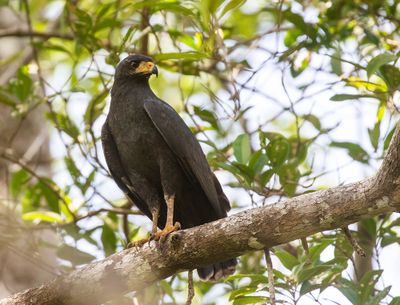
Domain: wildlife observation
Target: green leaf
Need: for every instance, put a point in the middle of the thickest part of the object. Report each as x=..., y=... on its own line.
x=74, y=255
x=316, y=250
x=388, y=138
x=64, y=123
x=245, y=172
x=250, y=300
x=159, y=5
x=307, y=287
x=233, y=4
x=314, y=120
x=378, y=61
x=255, y=278
x=288, y=177
x=207, y=116
x=354, y=150
x=374, y=134
x=88, y=181
x=369, y=224
x=343, y=97
x=183, y=55
x=243, y=291
x=22, y=85
x=391, y=76
x=167, y=288
x=257, y=162
x=287, y=259
x=298, y=20
x=95, y=108
x=395, y=301
x=30, y=201
x=349, y=290
x=108, y=239
x=367, y=285
x=297, y=68
x=8, y=99
x=291, y=37
x=18, y=180
x=242, y=148
x=45, y=216
x=376, y=300
x=371, y=37
x=72, y=168
x=388, y=240
x=48, y=190
x=309, y=272
x=336, y=63
x=266, y=177
x=228, y=167
x=209, y=7
x=278, y=151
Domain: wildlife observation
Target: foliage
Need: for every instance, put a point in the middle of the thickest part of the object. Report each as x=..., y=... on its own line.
x=264, y=85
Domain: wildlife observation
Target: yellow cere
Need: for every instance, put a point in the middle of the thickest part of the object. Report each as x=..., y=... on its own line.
x=145, y=67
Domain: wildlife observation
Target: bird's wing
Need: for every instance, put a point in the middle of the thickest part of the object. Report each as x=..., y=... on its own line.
x=186, y=148
x=117, y=170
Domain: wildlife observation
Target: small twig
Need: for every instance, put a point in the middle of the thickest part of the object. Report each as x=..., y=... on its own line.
x=354, y=243
x=270, y=269
x=190, y=288
x=34, y=50
x=125, y=227
x=53, y=188
x=304, y=243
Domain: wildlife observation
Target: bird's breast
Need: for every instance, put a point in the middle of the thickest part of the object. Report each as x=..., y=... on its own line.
x=138, y=141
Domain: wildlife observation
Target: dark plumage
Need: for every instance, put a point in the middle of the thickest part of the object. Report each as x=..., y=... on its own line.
x=156, y=160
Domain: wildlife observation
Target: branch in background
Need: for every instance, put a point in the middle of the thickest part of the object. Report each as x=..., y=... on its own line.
x=190, y=288
x=270, y=269
x=354, y=243
x=362, y=265
x=26, y=55
x=27, y=33
x=305, y=245
x=144, y=41
x=254, y=229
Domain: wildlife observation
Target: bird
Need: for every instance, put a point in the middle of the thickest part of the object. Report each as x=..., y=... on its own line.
x=157, y=161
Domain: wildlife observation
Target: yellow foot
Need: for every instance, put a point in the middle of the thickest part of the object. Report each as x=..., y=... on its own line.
x=138, y=243
x=162, y=235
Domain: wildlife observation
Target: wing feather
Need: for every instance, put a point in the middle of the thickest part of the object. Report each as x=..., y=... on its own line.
x=117, y=170
x=185, y=147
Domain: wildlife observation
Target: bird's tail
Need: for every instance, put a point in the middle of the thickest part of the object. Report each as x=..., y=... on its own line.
x=217, y=271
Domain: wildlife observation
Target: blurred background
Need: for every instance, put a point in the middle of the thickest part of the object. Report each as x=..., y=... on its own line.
x=286, y=97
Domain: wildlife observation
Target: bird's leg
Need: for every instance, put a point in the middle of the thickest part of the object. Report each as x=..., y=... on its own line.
x=170, y=200
x=154, y=215
x=169, y=226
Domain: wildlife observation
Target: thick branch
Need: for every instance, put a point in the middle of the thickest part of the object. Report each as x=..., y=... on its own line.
x=254, y=229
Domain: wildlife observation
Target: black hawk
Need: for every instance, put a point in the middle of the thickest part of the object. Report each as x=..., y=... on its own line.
x=157, y=162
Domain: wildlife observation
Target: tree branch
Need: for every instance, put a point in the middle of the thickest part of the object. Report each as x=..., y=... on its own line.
x=254, y=229
x=16, y=32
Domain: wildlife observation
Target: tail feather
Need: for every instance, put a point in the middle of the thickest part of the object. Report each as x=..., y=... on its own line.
x=217, y=271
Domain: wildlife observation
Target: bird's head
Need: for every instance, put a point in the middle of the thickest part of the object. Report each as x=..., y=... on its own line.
x=136, y=66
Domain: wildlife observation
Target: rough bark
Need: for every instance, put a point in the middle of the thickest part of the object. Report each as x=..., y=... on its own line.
x=254, y=229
